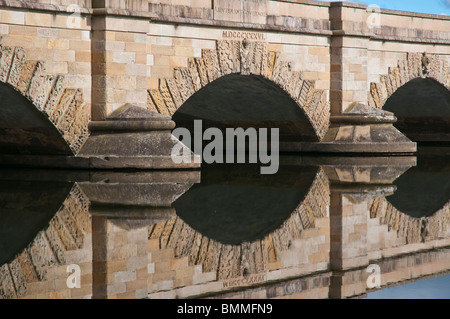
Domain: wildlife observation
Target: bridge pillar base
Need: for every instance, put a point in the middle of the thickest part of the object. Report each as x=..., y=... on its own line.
x=359, y=130
x=132, y=138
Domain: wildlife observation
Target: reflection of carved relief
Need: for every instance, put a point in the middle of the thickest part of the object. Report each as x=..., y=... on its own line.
x=35, y=265
x=248, y=258
x=409, y=229
x=247, y=57
x=416, y=65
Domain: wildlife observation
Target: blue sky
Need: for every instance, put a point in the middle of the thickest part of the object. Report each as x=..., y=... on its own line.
x=433, y=288
x=423, y=6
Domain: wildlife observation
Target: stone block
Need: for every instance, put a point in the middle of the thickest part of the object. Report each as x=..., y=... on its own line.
x=63, y=55
x=12, y=17
x=135, y=47
x=21, y=30
x=82, y=56
x=179, y=263
x=204, y=278
x=164, y=285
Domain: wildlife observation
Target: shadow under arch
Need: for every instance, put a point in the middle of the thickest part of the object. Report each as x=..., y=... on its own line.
x=24, y=130
x=246, y=101
x=234, y=204
x=422, y=107
x=425, y=189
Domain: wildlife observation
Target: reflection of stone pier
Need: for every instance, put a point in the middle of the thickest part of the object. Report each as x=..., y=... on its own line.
x=123, y=207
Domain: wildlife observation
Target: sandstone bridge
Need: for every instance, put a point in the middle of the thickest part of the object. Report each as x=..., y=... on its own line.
x=296, y=65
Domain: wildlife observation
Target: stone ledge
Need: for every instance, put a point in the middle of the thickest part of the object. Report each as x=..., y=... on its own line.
x=349, y=148
x=361, y=119
x=408, y=39
x=123, y=12
x=241, y=25
x=394, y=38
x=311, y=2
x=134, y=126
x=92, y=162
x=16, y=4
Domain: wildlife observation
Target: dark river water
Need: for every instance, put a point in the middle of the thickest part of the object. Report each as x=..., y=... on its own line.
x=322, y=227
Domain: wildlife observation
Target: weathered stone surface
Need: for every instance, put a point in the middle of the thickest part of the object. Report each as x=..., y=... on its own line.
x=364, y=114
x=253, y=11
x=416, y=66
x=422, y=117
x=229, y=56
x=45, y=92
x=145, y=136
x=42, y=256
x=17, y=65
x=7, y=290
x=19, y=279
x=246, y=58
x=128, y=112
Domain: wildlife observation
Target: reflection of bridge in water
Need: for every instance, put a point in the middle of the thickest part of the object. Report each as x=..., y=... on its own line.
x=136, y=235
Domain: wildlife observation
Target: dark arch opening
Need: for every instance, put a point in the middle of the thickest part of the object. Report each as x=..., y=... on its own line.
x=424, y=189
x=246, y=101
x=24, y=129
x=234, y=204
x=422, y=107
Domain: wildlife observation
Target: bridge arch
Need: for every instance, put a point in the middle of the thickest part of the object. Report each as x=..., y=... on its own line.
x=416, y=65
x=417, y=91
x=39, y=113
x=244, y=58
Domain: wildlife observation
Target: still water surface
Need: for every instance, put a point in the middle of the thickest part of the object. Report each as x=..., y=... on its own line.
x=311, y=231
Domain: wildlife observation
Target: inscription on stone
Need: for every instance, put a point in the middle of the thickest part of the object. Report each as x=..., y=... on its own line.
x=248, y=11
x=240, y=35
x=243, y=281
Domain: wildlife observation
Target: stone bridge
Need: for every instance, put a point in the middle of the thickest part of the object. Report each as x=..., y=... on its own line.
x=293, y=64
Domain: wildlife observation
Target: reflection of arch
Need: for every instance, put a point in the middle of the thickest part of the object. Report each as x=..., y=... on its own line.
x=249, y=257
x=419, y=210
x=239, y=205
x=244, y=58
x=424, y=189
x=60, y=233
x=416, y=65
x=413, y=230
x=48, y=98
